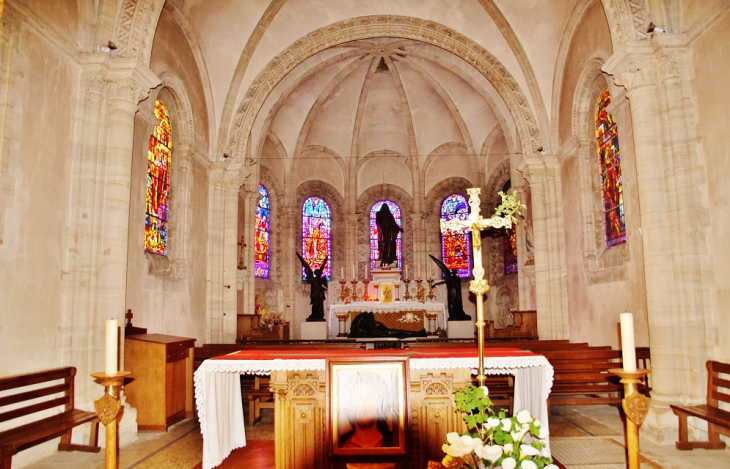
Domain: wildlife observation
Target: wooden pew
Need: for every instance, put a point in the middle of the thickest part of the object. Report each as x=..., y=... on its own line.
x=718, y=420
x=33, y=401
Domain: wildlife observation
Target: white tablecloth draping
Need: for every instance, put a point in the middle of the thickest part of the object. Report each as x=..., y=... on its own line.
x=218, y=392
x=378, y=307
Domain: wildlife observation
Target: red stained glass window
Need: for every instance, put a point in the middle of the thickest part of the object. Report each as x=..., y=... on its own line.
x=510, y=252
x=158, y=183
x=316, y=231
x=262, y=232
x=612, y=192
x=456, y=246
x=374, y=254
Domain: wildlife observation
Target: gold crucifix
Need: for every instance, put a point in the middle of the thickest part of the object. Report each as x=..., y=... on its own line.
x=503, y=218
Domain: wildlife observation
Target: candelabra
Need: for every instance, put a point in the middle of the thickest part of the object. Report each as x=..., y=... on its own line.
x=635, y=406
x=420, y=291
x=365, y=294
x=354, y=290
x=407, y=295
x=108, y=408
x=344, y=292
x=431, y=292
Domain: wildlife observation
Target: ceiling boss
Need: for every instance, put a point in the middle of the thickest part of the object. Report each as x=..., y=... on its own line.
x=504, y=216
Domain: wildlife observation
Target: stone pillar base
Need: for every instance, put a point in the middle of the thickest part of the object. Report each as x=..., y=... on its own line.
x=313, y=330
x=460, y=330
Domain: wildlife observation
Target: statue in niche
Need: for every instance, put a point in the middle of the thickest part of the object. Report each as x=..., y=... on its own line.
x=453, y=292
x=317, y=288
x=388, y=231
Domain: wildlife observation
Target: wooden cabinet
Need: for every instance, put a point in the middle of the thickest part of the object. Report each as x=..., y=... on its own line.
x=162, y=379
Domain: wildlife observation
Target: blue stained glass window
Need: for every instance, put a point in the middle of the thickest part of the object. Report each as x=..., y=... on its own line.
x=510, y=251
x=456, y=246
x=374, y=254
x=262, y=235
x=316, y=232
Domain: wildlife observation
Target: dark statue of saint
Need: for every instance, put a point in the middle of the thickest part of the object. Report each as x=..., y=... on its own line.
x=317, y=288
x=453, y=292
x=388, y=230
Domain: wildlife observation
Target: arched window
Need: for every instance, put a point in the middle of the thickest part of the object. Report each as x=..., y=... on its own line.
x=456, y=246
x=374, y=254
x=158, y=183
x=261, y=235
x=510, y=251
x=612, y=192
x=316, y=230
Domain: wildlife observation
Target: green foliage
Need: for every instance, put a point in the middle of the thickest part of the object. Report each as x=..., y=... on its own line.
x=509, y=207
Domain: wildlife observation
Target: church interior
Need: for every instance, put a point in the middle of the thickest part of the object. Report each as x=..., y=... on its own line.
x=206, y=157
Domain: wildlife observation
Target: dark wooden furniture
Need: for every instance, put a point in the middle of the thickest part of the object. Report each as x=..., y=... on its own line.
x=524, y=326
x=162, y=385
x=718, y=420
x=50, y=389
x=248, y=328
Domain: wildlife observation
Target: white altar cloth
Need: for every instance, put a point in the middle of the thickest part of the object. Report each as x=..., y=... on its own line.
x=378, y=307
x=218, y=392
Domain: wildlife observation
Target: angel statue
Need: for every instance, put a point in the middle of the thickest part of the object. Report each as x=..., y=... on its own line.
x=453, y=292
x=317, y=288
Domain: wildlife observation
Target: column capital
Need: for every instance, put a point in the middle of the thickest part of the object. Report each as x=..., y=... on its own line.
x=539, y=169
x=118, y=78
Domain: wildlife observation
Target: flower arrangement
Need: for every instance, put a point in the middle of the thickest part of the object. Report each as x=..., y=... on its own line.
x=495, y=439
x=270, y=320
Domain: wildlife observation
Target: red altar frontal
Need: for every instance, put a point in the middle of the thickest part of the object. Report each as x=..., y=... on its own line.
x=302, y=420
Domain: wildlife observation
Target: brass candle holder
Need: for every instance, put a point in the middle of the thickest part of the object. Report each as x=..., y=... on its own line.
x=344, y=292
x=342, y=322
x=108, y=407
x=431, y=318
x=420, y=291
x=407, y=295
x=354, y=290
x=635, y=407
x=397, y=290
x=431, y=292
x=365, y=294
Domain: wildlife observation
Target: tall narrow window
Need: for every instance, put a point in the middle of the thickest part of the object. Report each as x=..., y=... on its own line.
x=612, y=192
x=374, y=254
x=158, y=183
x=261, y=235
x=456, y=246
x=510, y=251
x=316, y=230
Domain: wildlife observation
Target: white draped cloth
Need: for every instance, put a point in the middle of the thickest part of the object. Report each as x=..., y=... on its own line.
x=218, y=391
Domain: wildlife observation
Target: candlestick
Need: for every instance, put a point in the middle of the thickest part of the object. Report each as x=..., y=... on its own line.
x=110, y=362
x=406, y=275
x=355, y=296
x=108, y=409
x=353, y=272
x=628, y=346
x=419, y=270
x=342, y=272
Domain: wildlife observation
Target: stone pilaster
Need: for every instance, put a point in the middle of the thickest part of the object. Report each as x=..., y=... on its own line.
x=542, y=173
x=672, y=223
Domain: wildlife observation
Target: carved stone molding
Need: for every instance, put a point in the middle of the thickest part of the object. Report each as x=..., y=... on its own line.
x=668, y=67
x=628, y=20
x=186, y=121
x=135, y=28
x=384, y=26
x=127, y=89
x=637, y=73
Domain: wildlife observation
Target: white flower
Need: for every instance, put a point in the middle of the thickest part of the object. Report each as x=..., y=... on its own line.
x=492, y=422
x=509, y=463
x=537, y=422
x=506, y=425
x=524, y=416
x=544, y=433
x=529, y=450
x=460, y=445
x=527, y=464
x=485, y=389
x=489, y=452
x=551, y=466
x=507, y=448
x=518, y=435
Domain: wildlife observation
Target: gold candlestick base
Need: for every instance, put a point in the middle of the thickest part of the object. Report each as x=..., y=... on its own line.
x=344, y=292
x=365, y=294
x=108, y=408
x=635, y=407
x=407, y=294
x=354, y=290
x=431, y=292
x=420, y=291
x=342, y=319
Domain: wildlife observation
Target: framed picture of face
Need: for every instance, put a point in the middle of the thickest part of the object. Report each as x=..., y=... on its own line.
x=367, y=406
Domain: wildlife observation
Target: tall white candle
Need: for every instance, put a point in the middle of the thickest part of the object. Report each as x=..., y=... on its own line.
x=419, y=270
x=406, y=273
x=628, y=346
x=353, y=272
x=342, y=272
x=110, y=362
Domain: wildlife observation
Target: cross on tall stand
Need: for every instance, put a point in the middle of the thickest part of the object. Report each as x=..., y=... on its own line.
x=476, y=223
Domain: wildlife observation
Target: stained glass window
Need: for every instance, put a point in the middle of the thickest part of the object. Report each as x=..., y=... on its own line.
x=374, y=254
x=158, y=183
x=316, y=229
x=456, y=246
x=261, y=235
x=510, y=251
x=612, y=192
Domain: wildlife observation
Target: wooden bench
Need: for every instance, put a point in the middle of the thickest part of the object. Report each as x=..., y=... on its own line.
x=718, y=420
x=32, y=393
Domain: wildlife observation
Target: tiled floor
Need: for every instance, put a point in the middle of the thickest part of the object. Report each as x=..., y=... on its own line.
x=582, y=437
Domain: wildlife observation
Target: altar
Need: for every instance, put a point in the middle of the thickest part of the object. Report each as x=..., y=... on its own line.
x=298, y=380
x=397, y=309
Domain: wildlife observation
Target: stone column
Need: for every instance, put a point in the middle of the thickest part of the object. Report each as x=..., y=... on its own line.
x=419, y=246
x=351, y=249
x=549, y=238
x=671, y=223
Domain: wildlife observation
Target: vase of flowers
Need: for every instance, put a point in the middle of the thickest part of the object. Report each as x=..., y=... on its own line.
x=271, y=320
x=494, y=440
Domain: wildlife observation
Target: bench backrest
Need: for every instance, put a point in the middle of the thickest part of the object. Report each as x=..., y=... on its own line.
x=47, y=385
x=714, y=381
